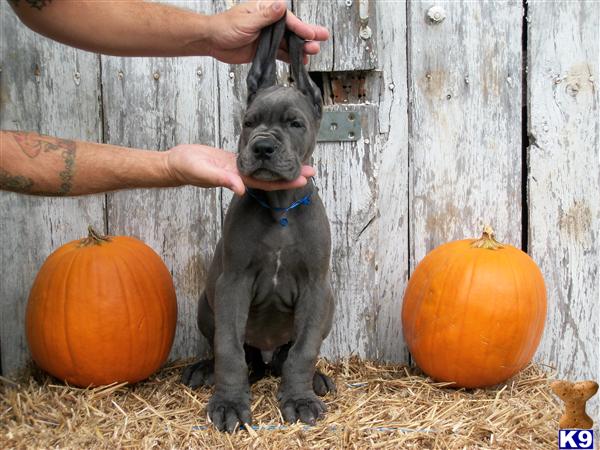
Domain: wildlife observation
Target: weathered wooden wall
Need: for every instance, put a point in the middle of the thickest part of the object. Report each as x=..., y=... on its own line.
x=564, y=180
x=465, y=105
x=167, y=102
x=51, y=89
x=455, y=134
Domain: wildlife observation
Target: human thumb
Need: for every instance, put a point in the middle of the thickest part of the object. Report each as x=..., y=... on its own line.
x=235, y=184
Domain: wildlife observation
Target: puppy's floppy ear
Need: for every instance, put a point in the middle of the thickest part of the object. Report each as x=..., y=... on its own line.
x=262, y=73
x=300, y=75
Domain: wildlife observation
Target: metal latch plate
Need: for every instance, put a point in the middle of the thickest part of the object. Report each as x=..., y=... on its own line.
x=341, y=126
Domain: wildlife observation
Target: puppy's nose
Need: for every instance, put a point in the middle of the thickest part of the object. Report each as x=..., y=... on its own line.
x=263, y=149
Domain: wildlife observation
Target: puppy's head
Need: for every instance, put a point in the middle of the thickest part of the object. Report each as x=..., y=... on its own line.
x=281, y=123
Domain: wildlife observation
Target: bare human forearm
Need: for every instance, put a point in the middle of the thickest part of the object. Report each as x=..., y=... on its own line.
x=42, y=165
x=122, y=28
x=139, y=28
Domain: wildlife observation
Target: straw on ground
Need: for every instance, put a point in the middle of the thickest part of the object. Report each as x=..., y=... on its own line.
x=376, y=406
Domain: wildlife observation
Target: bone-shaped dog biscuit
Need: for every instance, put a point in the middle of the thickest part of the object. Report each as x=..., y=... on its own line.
x=575, y=395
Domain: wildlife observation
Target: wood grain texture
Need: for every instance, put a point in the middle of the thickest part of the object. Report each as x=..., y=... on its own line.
x=346, y=49
x=564, y=182
x=157, y=103
x=52, y=89
x=346, y=179
x=362, y=183
x=465, y=121
x=231, y=85
x=392, y=178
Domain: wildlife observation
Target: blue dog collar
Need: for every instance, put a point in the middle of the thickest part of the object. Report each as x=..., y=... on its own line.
x=283, y=221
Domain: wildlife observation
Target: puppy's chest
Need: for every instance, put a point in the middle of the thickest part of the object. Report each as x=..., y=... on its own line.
x=271, y=315
x=276, y=284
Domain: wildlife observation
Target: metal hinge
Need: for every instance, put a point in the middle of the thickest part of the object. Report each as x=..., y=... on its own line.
x=340, y=126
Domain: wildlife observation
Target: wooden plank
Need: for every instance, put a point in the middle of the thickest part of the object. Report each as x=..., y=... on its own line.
x=52, y=89
x=347, y=21
x=346, y=179
x=465, y=121
x=564, y=181
x=320, y=13
x=231, y=81
x=392, y=180
x=157, y=103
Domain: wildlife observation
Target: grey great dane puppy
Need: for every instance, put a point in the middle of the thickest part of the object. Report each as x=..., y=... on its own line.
x=268, y=294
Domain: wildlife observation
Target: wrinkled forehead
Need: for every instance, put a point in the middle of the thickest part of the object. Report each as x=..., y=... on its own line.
x=278, y=100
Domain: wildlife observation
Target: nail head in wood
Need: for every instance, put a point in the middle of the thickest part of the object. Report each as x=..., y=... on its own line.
x=365, y=32
x=436, y=14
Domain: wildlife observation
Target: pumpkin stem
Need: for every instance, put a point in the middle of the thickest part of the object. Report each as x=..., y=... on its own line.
x=93, y=238
x=487, y=240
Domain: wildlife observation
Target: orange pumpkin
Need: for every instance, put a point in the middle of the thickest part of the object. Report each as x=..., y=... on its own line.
x=474, y=312
x=101, y=310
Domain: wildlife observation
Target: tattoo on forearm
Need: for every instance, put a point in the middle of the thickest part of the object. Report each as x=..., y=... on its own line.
x=37, y=4
x=67, y=175
x=15, y=183
x=32, y=145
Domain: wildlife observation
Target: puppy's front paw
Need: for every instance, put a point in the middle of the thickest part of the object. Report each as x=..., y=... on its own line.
x=305, y=406
x=227, y=413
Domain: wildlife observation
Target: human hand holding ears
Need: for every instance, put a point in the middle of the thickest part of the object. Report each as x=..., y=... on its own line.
x=233, y=34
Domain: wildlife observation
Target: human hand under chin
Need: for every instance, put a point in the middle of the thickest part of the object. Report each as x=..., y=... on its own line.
x=203, y=166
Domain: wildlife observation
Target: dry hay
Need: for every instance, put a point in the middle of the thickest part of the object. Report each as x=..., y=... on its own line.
x=376, y=406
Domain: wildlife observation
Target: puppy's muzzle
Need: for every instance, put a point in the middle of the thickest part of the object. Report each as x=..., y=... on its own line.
x=263, y=149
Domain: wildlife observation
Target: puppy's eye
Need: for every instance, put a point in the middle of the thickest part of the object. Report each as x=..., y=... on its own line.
x=296, y=124
x=248, y=123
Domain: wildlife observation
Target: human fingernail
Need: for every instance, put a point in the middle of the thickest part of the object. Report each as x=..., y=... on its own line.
x=276, y=6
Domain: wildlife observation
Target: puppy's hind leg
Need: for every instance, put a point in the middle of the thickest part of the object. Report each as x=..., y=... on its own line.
x=199, y=374
x=202, y=373
x=322, y=384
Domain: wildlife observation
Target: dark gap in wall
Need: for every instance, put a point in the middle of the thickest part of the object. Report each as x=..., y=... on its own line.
x=408, y=151
x=103, y=136
x=217, y=7
x=348, y=87
x=106, y=230
x=524, y=134
x=317, y=78
x=219, y=136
